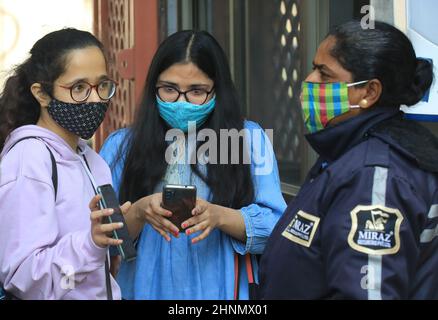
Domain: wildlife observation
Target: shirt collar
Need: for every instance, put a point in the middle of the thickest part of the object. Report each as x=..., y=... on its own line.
x=334, y=141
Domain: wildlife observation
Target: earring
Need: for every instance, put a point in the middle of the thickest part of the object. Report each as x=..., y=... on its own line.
x=363, y=103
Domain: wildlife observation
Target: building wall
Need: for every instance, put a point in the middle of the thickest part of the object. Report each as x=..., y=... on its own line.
x=23, y=22
x=384, y=10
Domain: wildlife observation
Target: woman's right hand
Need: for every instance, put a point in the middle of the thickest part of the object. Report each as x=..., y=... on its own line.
x=102, y=233
x=149, y=208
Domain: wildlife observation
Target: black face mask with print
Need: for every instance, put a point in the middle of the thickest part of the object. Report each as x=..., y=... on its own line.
x=82, y=119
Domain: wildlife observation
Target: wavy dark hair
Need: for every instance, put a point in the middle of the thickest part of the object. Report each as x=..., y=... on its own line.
x=384, y=53
x=144, y=167
x=47, y=62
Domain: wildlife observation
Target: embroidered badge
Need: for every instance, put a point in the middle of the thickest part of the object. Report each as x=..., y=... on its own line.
x=302, y=229
x=375, y=230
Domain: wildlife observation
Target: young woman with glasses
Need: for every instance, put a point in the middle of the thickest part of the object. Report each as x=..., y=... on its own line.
x=51, y=104
x=190, y=81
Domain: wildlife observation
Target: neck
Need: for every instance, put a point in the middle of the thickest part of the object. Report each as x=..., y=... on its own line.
x=71, y=139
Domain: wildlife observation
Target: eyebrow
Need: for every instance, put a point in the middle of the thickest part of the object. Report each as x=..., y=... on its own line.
x=322, y=67
x=102, y=77
x=176, y=85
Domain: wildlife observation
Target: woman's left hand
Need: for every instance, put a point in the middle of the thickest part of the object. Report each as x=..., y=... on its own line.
x=206, y=217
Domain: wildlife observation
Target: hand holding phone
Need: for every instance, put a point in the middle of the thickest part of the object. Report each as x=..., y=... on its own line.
x=180, y=200
x=109, y=201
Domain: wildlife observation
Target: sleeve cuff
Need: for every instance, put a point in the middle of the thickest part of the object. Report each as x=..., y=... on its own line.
x=240, y=247
x=93, y=252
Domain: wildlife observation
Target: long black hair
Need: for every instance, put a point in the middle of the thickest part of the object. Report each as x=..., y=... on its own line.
x=384, y=53
x=47, y=62
x=231, y=184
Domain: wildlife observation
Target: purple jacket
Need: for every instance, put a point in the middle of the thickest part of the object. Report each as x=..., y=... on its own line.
x=46, y=249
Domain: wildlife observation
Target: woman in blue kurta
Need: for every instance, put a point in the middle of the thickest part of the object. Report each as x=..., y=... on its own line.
x=189, y=84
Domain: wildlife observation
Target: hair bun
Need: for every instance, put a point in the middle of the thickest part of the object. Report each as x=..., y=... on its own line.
x=422, y=81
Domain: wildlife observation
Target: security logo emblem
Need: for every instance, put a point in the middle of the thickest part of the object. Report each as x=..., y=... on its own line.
x=302, y=229
x=375, y=230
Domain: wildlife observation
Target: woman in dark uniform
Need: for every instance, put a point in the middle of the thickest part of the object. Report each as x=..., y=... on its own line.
x=364, y=225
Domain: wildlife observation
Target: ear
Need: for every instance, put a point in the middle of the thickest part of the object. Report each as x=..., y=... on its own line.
x=372, y=93
x=39, y=94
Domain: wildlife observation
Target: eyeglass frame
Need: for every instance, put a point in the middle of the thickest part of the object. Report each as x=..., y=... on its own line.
x=183, y=93
x=92, y=87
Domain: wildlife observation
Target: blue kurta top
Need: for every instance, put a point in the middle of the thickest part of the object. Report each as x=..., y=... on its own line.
x=181, y=270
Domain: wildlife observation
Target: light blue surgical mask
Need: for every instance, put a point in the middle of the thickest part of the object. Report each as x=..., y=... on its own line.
x=179, y=114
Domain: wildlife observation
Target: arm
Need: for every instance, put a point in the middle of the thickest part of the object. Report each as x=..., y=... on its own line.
x=135, y=220
x=34, y=261
x=208, y=216
x=231, y=222
x=368, y=241
x=262, y=215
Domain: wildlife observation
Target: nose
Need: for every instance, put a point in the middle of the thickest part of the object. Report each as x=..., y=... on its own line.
x=94, y=97
x=313, y=77
x=182, y=98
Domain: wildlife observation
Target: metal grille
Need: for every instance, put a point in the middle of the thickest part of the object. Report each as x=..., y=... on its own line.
x=287, y=63
x=129, y=31
x=275, y=76
x=120, y=28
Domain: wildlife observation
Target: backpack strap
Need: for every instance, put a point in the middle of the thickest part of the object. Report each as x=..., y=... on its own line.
x=52, y=158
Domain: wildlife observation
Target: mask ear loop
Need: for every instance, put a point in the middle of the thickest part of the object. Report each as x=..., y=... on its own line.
x=356, y=84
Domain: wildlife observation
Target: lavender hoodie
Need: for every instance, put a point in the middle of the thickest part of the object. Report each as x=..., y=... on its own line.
x=46, y=249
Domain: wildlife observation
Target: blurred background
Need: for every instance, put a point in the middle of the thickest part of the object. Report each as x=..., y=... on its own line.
x=270, y=45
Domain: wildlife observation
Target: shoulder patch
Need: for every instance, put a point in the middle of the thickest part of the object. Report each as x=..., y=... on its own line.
x=302, y=229
x=375, y=230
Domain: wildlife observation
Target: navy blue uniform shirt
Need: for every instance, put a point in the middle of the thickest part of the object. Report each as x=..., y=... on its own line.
x=364, y=224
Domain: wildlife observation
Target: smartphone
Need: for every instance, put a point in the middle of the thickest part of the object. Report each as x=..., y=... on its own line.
x=109, y=201
x=180, y=200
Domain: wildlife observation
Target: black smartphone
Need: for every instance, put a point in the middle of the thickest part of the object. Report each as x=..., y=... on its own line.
x=109, y=201
x=180, y=200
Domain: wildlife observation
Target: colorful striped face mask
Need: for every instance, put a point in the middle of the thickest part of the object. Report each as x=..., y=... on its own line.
x=321, y=102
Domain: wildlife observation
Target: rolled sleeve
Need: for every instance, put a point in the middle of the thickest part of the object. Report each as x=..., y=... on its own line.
x=259, y=222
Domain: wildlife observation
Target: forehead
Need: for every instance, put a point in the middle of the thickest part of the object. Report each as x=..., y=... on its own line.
x=182, y=73
x=324, y=57
x=86, y=63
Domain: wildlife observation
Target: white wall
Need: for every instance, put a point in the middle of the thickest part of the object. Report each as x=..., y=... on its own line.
x=400, y=15
x=23, y=22
x=384, y=10
x=391, y=11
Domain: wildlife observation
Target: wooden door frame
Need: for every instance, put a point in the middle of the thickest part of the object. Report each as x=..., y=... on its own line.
x=132, y=63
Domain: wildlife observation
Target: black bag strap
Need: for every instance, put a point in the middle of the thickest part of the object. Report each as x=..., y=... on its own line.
x=52, y=158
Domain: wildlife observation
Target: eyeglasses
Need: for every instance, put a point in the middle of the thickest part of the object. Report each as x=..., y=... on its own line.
x=80, y=91
x=172, y=94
